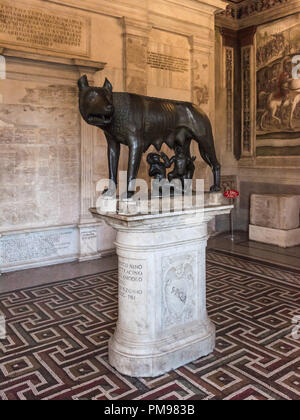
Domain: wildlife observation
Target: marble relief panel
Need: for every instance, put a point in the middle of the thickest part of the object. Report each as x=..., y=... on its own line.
x=178, y=289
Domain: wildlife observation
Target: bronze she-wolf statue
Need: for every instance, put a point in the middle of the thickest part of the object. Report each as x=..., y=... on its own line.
x=140, y=121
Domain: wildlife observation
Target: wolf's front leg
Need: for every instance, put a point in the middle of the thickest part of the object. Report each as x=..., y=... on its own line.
x=134, y=161
x=113, y=154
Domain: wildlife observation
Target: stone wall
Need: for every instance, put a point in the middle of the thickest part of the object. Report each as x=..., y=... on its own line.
x=51, y=160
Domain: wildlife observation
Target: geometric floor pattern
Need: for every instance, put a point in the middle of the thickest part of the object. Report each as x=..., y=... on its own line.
x=56, y=346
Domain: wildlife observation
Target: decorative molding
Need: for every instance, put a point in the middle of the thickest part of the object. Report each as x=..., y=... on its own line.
x=87, y=65
x=229, y=74
x=246, y=36
x=255, y=12
x=27, y=65
x=238, y=49
x=247, y=44
x=200, y=5
x=229, y=37
x=138, y=8
x=238, y=38
x=28, y=230
x=246, y=8
x=246, y=100
x=116, y=8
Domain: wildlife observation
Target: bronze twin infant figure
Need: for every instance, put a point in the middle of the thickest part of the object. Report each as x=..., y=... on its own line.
x=184, y=167
x=140, y=121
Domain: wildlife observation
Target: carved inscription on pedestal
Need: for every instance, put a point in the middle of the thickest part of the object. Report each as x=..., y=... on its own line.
x=130, y=280
x=32, y=27
x=132, y=295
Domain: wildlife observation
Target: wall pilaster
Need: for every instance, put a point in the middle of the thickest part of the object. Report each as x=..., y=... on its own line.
x=136, y=39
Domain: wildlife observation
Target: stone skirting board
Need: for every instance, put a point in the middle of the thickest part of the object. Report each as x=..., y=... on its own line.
x=41, y=247
x=163, y=321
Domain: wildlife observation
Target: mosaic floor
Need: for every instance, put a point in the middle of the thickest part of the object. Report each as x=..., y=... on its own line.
x=56, y=346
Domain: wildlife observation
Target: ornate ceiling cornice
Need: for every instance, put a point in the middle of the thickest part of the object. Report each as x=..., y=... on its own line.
x=248, y=8
x=245, y=12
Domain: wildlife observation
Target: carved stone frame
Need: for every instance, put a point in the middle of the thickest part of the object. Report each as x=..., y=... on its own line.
x=66, y=70
x=242, y=45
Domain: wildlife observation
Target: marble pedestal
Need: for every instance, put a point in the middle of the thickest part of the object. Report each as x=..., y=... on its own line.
x=163, y=321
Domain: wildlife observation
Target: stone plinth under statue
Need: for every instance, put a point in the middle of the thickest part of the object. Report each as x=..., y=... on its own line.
x=163, y=322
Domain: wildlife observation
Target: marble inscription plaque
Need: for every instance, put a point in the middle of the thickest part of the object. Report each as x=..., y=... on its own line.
x=39, y=155
x=27, y=248
x=167, y=62
x=32, y=27
x=88, y=242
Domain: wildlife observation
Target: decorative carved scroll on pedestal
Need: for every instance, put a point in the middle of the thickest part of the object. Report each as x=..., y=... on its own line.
x=178, y=290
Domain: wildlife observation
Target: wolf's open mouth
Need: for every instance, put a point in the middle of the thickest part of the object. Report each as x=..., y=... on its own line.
x=96, y=119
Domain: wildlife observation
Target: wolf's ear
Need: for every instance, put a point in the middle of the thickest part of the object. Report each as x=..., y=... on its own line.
x=83, y=82
x=107, y=85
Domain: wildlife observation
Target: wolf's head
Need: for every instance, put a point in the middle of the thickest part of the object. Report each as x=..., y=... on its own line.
x=96, y=103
